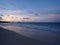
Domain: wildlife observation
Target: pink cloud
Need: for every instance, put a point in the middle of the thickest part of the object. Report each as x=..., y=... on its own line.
x=53, y=14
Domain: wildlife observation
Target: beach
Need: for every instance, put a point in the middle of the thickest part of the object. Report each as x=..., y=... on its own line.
x=12, y=35
x=29, y=22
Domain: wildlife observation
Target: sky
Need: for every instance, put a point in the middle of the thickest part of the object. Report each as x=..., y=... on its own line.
x=42, y=10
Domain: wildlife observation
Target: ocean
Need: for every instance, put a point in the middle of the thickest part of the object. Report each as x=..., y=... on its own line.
x=46, y=32
x=37, y=26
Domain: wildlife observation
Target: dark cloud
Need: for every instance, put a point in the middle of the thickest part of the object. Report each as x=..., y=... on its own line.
x=1, y=18
x=26, y=18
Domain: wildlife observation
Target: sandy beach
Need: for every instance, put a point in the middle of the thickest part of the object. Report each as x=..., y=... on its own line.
x=10, y=35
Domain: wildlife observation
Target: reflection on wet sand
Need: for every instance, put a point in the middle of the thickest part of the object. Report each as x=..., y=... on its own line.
x=8, y=37
x=20, y=35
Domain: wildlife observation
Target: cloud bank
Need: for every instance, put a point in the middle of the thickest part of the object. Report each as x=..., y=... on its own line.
x=31, y=18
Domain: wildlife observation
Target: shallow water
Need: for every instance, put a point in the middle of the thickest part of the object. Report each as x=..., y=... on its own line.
x=37, y=26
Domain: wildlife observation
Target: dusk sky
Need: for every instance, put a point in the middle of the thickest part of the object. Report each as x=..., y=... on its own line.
x=44, y=10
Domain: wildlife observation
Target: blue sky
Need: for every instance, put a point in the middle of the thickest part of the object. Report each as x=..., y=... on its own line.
x=31, y=7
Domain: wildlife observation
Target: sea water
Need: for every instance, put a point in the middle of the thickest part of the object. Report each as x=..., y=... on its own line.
x=36, y=26
x=52, y=27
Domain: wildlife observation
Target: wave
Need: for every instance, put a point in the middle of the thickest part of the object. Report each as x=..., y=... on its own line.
x=35, y=26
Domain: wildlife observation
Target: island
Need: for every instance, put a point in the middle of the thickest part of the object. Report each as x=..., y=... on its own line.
x=4, y=22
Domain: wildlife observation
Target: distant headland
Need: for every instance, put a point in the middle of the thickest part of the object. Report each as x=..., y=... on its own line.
x=4, y=22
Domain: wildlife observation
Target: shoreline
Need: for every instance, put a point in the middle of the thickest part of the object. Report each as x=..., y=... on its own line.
x=37, y=37
x=8, y=37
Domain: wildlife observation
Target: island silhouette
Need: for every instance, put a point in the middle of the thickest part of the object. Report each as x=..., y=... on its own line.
x=4, y=22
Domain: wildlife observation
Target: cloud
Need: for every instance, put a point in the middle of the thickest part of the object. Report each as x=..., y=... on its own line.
x=31, y=18
x=1, y=18
x=26, y=16
x=54, y=15
x=16, y=12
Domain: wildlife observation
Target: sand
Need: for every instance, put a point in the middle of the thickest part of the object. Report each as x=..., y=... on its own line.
x=10, y=35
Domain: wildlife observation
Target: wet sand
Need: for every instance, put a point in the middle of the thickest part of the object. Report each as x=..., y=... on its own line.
x=18, y=37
